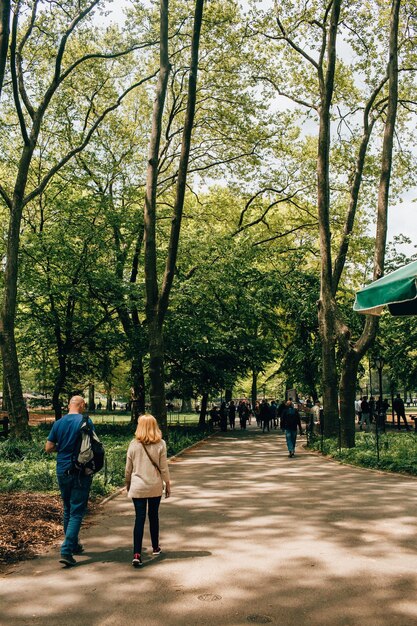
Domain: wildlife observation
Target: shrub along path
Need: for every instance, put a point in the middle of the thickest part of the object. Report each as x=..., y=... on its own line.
x=249, y=536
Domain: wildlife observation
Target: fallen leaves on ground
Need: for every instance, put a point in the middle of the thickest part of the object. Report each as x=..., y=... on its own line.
x=29, y=523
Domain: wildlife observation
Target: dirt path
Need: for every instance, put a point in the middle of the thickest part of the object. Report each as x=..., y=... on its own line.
x=249, y=536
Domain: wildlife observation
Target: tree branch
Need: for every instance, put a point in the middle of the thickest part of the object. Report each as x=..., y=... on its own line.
x=81, y=147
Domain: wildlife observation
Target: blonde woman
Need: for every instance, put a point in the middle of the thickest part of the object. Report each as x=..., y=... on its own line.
x=145, y=474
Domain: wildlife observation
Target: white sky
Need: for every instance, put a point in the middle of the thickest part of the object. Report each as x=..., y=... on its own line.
x=402, y=218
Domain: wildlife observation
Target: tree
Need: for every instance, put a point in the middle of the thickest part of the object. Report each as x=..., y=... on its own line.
x=34, y=96
x=324, y=79
x=4, y=37
x=157, y=298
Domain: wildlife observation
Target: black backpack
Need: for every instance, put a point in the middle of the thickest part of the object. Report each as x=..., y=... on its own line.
x=88, y=456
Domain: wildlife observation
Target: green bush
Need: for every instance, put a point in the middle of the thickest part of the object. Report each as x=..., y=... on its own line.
x=397, y=451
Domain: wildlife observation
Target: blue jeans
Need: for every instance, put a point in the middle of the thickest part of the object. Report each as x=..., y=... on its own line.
x=74, y=492
x=291, y=437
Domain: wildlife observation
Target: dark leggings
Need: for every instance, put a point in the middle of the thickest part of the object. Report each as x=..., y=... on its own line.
x=140, y=509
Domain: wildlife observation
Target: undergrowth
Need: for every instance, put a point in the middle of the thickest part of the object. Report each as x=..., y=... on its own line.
x=24, y=466
x=397, y=451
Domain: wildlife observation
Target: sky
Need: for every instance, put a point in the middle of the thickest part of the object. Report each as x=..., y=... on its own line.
x=402, y=216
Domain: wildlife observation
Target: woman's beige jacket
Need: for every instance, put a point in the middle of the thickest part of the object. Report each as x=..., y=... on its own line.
x=145, y=480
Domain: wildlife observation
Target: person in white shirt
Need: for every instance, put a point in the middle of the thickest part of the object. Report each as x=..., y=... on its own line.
x=145, y=474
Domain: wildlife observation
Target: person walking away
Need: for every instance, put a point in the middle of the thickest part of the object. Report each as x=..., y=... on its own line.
x=74, y=487
x=366, y=414
x=257, y=411
x=381, y=412
x=232, y=415
x=281, y=408
x=273, y=409
x=290, y=420
x=399, y=408
x=223, y=417
x=372, y=408
x=265, y=415
x=243, y=414
x=145, y=474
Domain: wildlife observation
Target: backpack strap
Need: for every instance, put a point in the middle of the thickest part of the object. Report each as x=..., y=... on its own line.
x=149, y=457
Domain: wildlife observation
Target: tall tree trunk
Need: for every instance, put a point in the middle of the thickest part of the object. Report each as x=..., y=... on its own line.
x=347, y=394
x=155, y=329
x=157, y=302
x=326, y=310
x=5, y=396
x=254, y=388
x=4, y=37
x=91, y=401
x=228, y=395
x=186, y=405
x=59, y=386
x=138, y=387
x=354, y=353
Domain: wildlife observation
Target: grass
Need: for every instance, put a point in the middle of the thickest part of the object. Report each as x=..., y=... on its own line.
x=24, y=466
x=397, y=451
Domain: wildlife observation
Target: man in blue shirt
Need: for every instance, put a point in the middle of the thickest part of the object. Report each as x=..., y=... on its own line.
x=75, y=488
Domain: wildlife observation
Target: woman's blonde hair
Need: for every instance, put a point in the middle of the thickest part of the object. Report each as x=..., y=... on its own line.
x=148, y=430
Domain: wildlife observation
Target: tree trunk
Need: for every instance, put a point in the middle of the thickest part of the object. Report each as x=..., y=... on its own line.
x=228, y=395
x=203, y=410
x=4, y=37
x=254, y=388
x=5, y=399
x=326, y=311
x=138, y=386
x=109, y=399
x=157, y=375
x=157, y=302
x=91, y=402
x=353, y=354
x=347, y=394
x=19, y=422
x=58, y=387
x=186, y=405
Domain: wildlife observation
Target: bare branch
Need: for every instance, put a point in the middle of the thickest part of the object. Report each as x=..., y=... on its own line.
x=295, y=46
x=84, y=143
x=25, y=37
x=288, y=232
x=13, y=65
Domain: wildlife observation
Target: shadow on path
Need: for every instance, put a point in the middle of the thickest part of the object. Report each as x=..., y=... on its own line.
x=249, y=536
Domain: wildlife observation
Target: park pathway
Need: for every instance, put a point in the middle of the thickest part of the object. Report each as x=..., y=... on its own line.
x=249, y=536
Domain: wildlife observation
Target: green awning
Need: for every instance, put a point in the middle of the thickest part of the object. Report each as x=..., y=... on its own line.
x=397, y=290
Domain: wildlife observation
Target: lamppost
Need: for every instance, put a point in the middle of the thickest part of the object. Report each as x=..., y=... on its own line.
x=380, y=420
x=379, y=364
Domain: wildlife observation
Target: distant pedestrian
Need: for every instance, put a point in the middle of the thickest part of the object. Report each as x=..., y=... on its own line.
x=243, y=411
x=74, y=487
x=366, y=414
x=257, y=412
x=145, y=474
x=382, y=407
x=290, y=420
x=232, y=415
x=223, y=417
x=273, y=410
x=399, y=408
x=265, y=415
